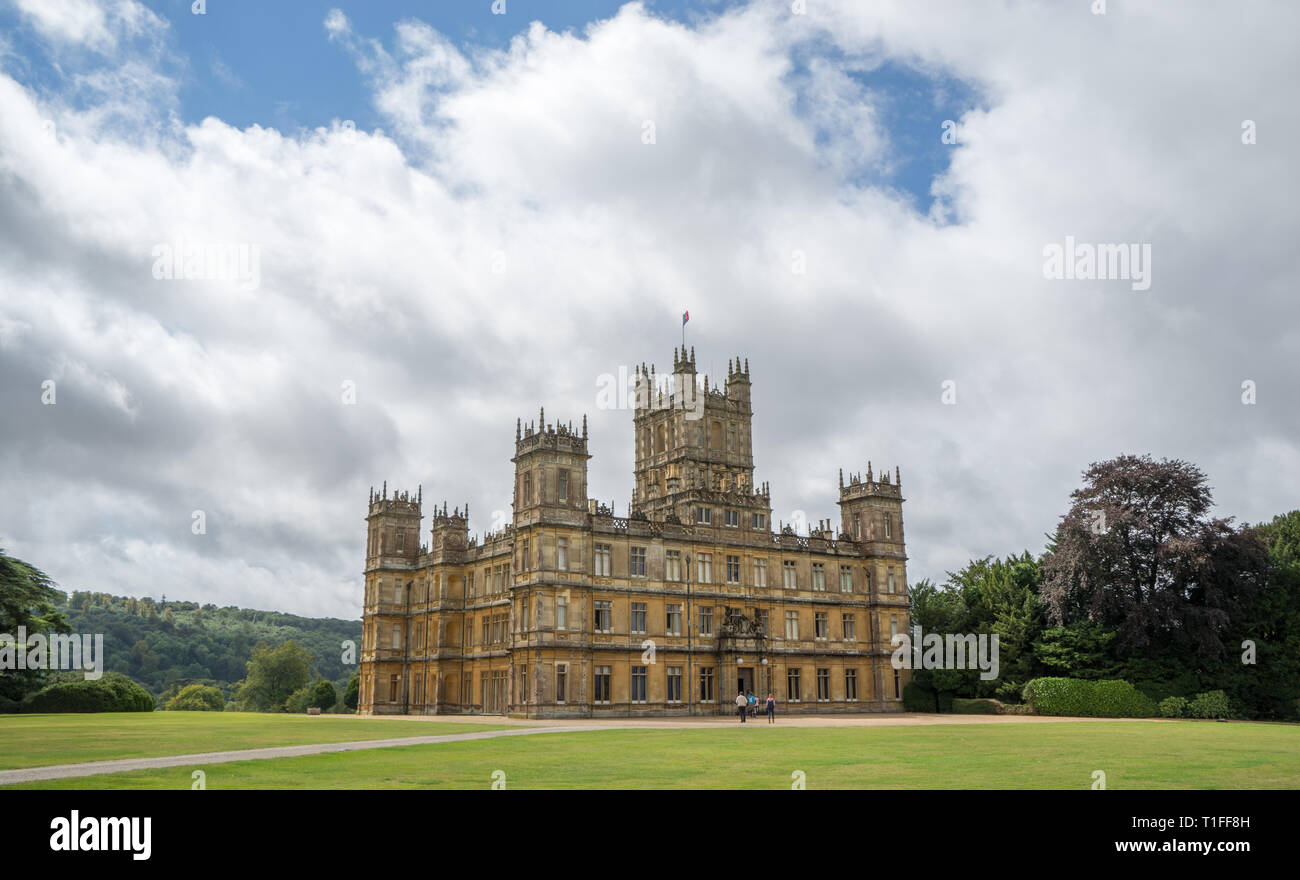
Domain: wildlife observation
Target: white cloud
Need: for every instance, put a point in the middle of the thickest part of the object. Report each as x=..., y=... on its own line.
x=377, y=266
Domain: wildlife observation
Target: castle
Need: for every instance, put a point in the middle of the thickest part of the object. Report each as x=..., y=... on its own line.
x=570, y=611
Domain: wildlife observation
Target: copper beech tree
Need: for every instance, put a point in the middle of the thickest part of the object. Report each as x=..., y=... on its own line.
x=1139, y=551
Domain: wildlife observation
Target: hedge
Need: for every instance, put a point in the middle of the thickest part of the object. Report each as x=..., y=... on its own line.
x=1092, y=699
x=976, y=707
x=112, y=693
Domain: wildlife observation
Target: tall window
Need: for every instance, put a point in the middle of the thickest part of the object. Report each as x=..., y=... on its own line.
x=849, y=623
x=819, y=576
x=733, y=569
x=706, y=684
x=638, y=617
x=850, y=684
x=789, y=573
x=561, y=681
x=703, y=515
x=562, y=554
x=898, y=693
x=760, y=572
x=604, y=616
x=561, y=612
x=820, y=625
x=636, y=562
x=674, y=619
x=673, y=565
x=761, y=614
x=706, y=621
x=891, y=580
x=674, y=684
x=857, y=526
x=823, y=685
x=401, y=540
x=889, y=521
x=758, y=520
x=602, y=685
x=638, y=684
x=732, y=518
x=792, y=685
x=893, y=625
x=602, y=560
x=846, y=579
x=564, y=486
x=524, y=563
x=704, y=568
x=792, y=624
x=528, y=488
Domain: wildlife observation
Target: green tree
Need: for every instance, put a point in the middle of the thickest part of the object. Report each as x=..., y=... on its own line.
x=352, y=694
x=197, y=698
x=30, y=599
x=274, y=674
x=323, y=695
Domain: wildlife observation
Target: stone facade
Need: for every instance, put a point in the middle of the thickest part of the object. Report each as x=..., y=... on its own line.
x=570, y=611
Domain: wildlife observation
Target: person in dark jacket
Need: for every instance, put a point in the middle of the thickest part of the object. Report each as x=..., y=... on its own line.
x=771, y=709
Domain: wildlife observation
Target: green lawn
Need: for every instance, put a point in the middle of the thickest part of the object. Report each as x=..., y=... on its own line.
x=1136, y=754
x=37, y=740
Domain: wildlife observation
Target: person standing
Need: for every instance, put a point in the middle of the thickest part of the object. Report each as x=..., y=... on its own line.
x=771, y=708
x=741, y=705
x=753, y=704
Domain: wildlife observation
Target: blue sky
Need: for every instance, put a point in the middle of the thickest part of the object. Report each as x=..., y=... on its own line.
x=249, y=62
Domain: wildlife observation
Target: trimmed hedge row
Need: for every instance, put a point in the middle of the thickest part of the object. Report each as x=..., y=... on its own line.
x=1091, y=699
x=112, y=693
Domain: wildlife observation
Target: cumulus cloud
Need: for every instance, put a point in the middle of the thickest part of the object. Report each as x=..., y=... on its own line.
x=513, y=233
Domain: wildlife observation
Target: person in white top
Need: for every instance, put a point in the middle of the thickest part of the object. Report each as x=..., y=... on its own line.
x=741, y=705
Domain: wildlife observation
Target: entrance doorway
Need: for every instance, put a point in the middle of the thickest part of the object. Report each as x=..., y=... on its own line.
x=745, y=679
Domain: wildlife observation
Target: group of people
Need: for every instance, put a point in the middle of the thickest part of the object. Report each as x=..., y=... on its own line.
x=747, y=706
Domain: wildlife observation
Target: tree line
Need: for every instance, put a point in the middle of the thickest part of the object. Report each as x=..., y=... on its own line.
x=1138, y=582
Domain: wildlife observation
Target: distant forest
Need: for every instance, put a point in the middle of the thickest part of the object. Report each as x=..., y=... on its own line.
x=166, y=645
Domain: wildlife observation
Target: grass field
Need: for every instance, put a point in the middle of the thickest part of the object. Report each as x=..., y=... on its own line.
x=37, y=740
x=1133, y=754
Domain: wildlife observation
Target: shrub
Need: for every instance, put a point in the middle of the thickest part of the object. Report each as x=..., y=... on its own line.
x=976, y=707
x=918, y=699
x=945, y=701
x=1095, y=699
x=1173, y=707
x=298, y=701
x=197, y=698
x=112, y=693
x=1211, y=704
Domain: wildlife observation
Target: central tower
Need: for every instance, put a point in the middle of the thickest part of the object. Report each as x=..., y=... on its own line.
x=693, y=443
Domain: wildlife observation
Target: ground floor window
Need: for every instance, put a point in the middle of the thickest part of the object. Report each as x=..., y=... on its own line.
x=561, y=681
x=823, y=684
x=898, y=688
x=850, y=684
x=602, y=685
x=674, y=684
x=638, y=684
x=706, y=684
x=792, y=685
